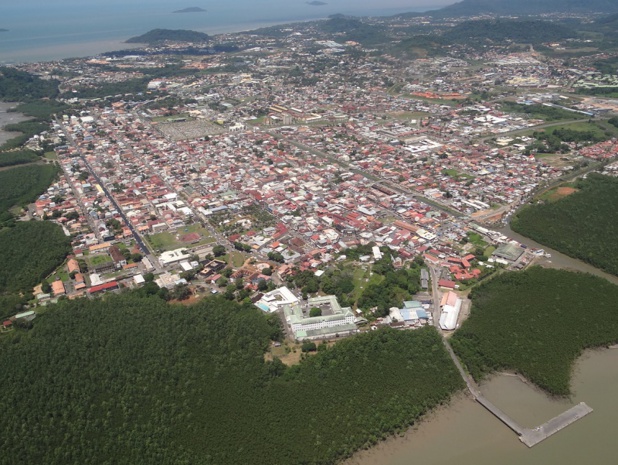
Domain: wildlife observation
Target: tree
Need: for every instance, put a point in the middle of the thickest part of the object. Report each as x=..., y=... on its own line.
x=267, y=271
x=308, y=346
x=315, y=311
x=46, y=287
x=218, y=250
x=136, y=257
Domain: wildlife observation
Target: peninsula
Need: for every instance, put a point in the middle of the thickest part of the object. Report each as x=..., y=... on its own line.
x=316, y=3
x=160, y=35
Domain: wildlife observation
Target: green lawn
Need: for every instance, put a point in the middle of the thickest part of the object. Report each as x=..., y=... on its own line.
x=171, y=240
x=95, y=260
x=237, y=259
x=363, y=278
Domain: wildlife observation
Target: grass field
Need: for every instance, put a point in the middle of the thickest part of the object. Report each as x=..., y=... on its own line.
x=172, y=240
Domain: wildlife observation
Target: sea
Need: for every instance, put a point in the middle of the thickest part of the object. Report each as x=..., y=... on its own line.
x=47, y=30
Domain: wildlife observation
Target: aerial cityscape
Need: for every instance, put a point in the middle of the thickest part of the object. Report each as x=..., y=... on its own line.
x=382, y=235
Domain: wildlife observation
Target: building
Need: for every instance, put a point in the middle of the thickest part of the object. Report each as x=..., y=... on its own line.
x=277, y=299
x=509, y=251
x=58, y=288
x=451, y=305
x=173, y=256
x=333, y=322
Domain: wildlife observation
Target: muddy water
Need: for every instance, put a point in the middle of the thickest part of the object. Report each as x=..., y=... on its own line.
x=464, y=433
x=9, y=118
x=558, y=260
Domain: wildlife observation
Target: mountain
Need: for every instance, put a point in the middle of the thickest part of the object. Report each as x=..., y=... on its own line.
x=525, y=7
x=159, y=35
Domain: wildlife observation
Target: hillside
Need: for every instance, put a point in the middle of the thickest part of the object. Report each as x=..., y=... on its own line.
x=525, y=7
x=582, y=225
x=503, y=30
x=130, y=380
x=160, y=35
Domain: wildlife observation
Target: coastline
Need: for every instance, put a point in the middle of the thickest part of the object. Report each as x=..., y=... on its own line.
x=463, y=432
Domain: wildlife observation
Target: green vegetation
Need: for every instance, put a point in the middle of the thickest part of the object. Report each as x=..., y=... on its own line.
x=22, y=185
x=170, y=241
x=554, y=140
x=539, y=111
x=18, y=157
x=537, y=322
x=36, y=249
x=113, y=381
x=42, y=109
x=20, y=86
x=582, y=225
x=482, y=32
x=160, y=35
x=27, y=128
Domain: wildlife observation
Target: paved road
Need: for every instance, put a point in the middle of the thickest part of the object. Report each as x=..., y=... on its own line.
x=365, y=174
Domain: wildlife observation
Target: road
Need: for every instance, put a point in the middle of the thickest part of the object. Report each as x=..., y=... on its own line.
x=365, y=174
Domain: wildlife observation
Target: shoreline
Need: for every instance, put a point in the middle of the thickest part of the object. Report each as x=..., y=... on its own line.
x=399, y=449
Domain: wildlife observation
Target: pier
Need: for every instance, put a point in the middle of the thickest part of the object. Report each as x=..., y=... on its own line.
x=529, y=436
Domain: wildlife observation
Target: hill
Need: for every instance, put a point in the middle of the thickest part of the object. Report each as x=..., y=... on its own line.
x=191, y=9
x=130, y=380
x=160, y=35
x=506, y=30
x=525, y=7
x=537, y=322
x=581, y=225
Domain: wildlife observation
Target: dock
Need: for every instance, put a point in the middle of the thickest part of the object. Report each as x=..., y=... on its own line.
x=529, y=436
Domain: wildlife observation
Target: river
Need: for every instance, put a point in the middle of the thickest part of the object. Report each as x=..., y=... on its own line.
x=557, y=260
x=464, y=433
x=9, y=118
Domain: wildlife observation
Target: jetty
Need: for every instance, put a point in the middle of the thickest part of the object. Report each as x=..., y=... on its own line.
x=529, y=436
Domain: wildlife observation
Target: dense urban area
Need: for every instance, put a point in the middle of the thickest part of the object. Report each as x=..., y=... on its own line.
x=298, y=222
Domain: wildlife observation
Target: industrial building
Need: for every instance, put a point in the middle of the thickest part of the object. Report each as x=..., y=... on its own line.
x=451, y=305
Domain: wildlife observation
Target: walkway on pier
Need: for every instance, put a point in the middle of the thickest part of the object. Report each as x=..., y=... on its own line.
x=530, y=437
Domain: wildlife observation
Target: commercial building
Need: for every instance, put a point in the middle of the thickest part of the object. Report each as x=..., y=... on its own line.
x=334, y=320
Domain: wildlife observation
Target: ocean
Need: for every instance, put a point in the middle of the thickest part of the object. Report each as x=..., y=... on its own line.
x=50, y=30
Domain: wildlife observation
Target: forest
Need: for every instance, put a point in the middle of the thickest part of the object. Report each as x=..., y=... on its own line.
x=20, y=86
x=133, y=380
x=18, y=157
x=22, y=185
x=479, y=32
x=537, y=323
x=581, y=225
x=36, y=249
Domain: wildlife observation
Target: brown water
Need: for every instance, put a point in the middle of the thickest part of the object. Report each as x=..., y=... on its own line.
x=558, y=260
x=464, y=433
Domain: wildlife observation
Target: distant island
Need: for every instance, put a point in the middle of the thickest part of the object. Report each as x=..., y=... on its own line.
x=160, y=35
x=191, y=9
x=316, y=3
x=4, y=30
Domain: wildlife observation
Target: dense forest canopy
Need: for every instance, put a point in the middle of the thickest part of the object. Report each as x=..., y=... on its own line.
x=20, y=86
x=22, y=185
x=582, y=225
x=537, y=322
x=37, y=248
x=130, y=380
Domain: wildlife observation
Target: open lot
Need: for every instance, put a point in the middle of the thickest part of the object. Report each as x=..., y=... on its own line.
x=189, y=236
